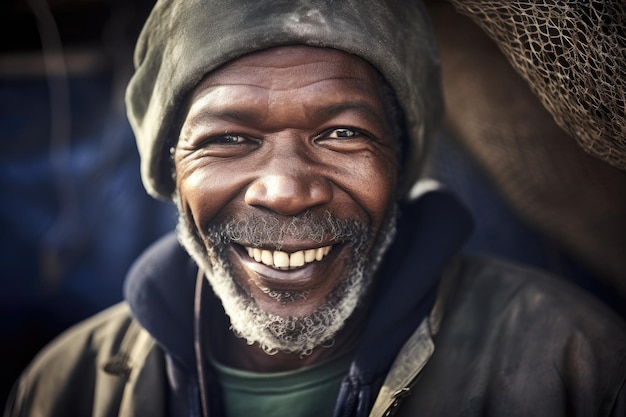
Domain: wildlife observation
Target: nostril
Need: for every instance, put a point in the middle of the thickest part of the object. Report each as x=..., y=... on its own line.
x=255, y=194
x=321, y=191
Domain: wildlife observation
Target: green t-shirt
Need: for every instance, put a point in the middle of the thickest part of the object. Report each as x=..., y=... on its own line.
x=309, y=391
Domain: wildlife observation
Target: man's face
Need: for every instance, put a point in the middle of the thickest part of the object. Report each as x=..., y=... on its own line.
x=286, y=175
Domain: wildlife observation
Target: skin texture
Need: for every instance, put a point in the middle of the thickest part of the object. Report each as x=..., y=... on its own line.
x=277, y=133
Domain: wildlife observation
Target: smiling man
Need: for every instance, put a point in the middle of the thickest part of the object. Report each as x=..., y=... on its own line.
x=286, y=173
x=308, y=275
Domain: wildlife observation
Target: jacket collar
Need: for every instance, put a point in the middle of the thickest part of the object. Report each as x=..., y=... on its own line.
x=415, y=353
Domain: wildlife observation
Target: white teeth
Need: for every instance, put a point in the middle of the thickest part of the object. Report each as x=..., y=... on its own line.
x=284, y=260
x=267, y=257
x=281, y=259
x=296, y=259
x=309, y=255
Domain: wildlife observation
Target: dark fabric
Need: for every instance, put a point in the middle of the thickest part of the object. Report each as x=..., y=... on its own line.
x=517, y=342
x=160, y=290
x=85, y=372
x=430, y=232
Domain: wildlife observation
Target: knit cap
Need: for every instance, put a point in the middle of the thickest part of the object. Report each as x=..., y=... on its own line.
x=184, y=40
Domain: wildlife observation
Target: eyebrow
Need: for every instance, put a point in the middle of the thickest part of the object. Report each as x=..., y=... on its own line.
x=247, y=115
x=362, y=106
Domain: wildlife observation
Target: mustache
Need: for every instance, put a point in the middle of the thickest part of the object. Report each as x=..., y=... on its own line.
x=272, y=230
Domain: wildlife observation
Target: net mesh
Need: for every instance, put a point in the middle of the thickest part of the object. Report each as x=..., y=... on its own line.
x=573, y=55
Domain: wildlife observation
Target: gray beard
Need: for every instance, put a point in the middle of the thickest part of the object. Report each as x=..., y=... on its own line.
x=273, y=333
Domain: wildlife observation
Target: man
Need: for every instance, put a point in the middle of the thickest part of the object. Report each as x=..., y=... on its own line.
x=289, y=134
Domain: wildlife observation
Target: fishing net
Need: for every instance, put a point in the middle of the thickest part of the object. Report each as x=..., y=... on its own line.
x=573, y=55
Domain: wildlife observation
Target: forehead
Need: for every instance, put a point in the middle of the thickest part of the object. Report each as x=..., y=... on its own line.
x=295, y=67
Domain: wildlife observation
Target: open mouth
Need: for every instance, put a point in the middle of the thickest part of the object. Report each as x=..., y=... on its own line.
x=287, y=260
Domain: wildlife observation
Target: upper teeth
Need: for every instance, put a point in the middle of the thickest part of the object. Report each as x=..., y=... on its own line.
x=286, y=260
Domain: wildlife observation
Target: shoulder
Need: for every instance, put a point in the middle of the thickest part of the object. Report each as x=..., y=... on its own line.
x=500, y=288
x=88, y=360
x=523, y=305
x=96, y=337
x=536, y=343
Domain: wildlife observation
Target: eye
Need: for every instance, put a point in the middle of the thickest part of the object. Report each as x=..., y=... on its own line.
x=342, y=133
x=345, y=139
x=225, y=145
x=226, y=139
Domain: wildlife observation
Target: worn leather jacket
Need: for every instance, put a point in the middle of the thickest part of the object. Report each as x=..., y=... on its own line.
x=501, y=341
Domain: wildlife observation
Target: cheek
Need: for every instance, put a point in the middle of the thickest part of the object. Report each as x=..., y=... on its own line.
x=383, y=190
x=372, y=184
x=206, y=192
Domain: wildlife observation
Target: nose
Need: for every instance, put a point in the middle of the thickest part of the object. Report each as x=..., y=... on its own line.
x=288, y=193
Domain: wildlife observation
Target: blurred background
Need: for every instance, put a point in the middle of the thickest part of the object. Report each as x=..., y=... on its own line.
x=74, y=215
x=73, y=212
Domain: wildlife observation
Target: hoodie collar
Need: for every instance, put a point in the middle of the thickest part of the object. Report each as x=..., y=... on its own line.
x=160, y=290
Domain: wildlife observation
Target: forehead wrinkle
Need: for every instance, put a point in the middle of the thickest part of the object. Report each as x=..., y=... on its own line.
x=362, y=107
x=245, y=101
x=218, y=101
x=358, y=96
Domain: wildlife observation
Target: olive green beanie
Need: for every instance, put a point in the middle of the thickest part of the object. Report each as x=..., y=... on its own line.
x=183, y=40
